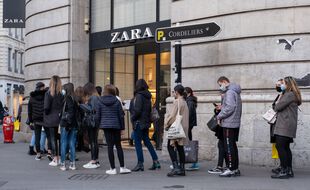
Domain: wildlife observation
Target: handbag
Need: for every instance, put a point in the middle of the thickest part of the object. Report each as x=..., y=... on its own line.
x=212, y=124
x=270, y=116
x=191, y=152
x=176, y=130
x=65, y=117
x=154, y=115
x=17, y=125
x=274, y=152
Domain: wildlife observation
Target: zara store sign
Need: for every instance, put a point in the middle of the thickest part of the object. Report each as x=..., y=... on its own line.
x=134, y=34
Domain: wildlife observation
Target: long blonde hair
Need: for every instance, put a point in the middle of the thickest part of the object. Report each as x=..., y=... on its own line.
x=55, y=85
x=291, y=85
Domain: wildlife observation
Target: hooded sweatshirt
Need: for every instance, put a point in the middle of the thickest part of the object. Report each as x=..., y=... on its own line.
x=109, y=113
x=140, y=109
x=232, y=107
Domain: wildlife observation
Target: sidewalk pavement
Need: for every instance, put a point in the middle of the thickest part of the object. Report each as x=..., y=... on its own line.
x=19, y=171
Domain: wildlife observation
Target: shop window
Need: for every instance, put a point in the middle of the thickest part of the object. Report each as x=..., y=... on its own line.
x=101, y=15
x=102, y=67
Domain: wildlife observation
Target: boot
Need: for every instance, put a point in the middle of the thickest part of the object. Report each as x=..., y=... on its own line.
x=31, y=151
x=282, y=175
x=182, y=170
x=175, y=171
x=139, y=167
x=156, y=165
x=290, y=172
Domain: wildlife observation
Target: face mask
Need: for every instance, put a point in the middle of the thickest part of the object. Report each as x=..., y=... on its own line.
x=63, y=92
x=223, y=88
x=278, y=89
x=283, y=87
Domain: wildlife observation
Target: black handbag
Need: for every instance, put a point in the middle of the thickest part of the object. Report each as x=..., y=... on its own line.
x=191, y=152
x=65, y=117
x=212, y=124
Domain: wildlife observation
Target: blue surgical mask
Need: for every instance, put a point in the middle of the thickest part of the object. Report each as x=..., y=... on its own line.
x=283, y=87
x=63, y=92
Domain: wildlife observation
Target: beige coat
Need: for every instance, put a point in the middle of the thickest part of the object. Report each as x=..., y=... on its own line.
x=171, y=116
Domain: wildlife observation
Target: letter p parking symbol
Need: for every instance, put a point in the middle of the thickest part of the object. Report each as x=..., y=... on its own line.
x=160, y=35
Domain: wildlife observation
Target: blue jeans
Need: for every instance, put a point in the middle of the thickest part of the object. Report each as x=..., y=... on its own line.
x=42, y=140
x=67, y=138
x=140, y=135
x=33, y=139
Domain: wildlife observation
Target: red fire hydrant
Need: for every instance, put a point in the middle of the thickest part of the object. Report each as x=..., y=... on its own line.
x=8, y=129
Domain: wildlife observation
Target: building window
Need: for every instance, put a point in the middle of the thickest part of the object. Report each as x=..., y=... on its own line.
x=16, y=33
x=101, y=15
x=21, y=64
x=15, y=57
x=165, y=9
x=102, y=67
x=22, y=34
x=10, y=32
x=9, y=59
x=133, y=12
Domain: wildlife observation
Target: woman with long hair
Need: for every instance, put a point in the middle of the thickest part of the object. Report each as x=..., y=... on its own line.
x=140, y=111
x=91, y=98
x=68, y=124
x=286, y=125
x=53, y=102
x=177, y=145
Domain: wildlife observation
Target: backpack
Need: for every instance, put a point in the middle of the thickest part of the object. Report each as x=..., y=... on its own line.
x=89, y=114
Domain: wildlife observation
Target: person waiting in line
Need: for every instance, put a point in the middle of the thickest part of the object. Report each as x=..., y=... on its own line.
x=220, y=144
x=99, y=90
x=35, y=116
x=272, y=137
x=110, y=116
x=177, y=145
x=53, y=103
x=68, y=126
x=286, y=125
x=191, y=101
x=140, y=110
x=91, y=99
x=230, y=120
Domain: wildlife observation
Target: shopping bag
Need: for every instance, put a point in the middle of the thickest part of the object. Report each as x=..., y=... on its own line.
x=270, y=116
x=16, y=125
x=176, y=130
x=274, y=152
x=191, y=152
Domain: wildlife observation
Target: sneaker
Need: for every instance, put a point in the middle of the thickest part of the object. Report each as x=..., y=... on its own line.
x=227, y=173
x=111, y=171
x=98, y=164
x=171, y=167
x=54, y=163
x=237, y=172
x=194, y=166
x=217, y=170
x=276, y=170
x=72, y=166
x=63, y=167
x=38, y=157
x=90, y=165
x=124, y=170
x=50, y=157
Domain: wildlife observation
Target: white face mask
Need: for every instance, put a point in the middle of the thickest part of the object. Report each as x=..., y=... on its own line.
x=63, y=92
x=223, y=87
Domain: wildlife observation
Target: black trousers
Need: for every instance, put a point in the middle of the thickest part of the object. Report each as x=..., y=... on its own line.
x=190, y=135
x=54, y=140
x=93, y=141
x=285, y=153
x=173, y=152
x=113, y=137
x=221, y=155
x=37, y=134
x=231, y=149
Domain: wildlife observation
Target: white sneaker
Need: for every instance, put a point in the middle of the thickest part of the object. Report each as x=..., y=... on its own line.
x=63, y=167
x=54, y=163
x=72, y=166
x=124, y=170
x=171, y=167
x=90, y=165
x=111, y=171
x=227, y=173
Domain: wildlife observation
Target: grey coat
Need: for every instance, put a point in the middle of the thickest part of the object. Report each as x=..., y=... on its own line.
x=231, y=111
x=287, y=115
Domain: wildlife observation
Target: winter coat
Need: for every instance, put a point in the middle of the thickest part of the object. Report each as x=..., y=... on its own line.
x=192, y=105
x=170, y=117
x=36, y=106
x=52, y=109
x=287, y=115
x=140, y=109
x=71, y=110
x=231, y=111
x=272, y=137
x=110, y=113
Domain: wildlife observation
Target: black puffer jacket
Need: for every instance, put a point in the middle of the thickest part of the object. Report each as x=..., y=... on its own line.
x=140, y=109
x=52, y=109
x=110, y=113
x=36, y=106
x=192, y=105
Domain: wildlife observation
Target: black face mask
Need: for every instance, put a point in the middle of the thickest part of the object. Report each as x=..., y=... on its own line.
x=278, y=89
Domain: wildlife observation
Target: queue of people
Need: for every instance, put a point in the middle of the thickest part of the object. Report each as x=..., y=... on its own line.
x=80, y=113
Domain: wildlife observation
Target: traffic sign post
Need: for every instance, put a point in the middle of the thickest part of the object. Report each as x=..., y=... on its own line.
x=186, y=32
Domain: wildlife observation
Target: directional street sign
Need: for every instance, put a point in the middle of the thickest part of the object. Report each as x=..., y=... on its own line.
x=186, y=32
